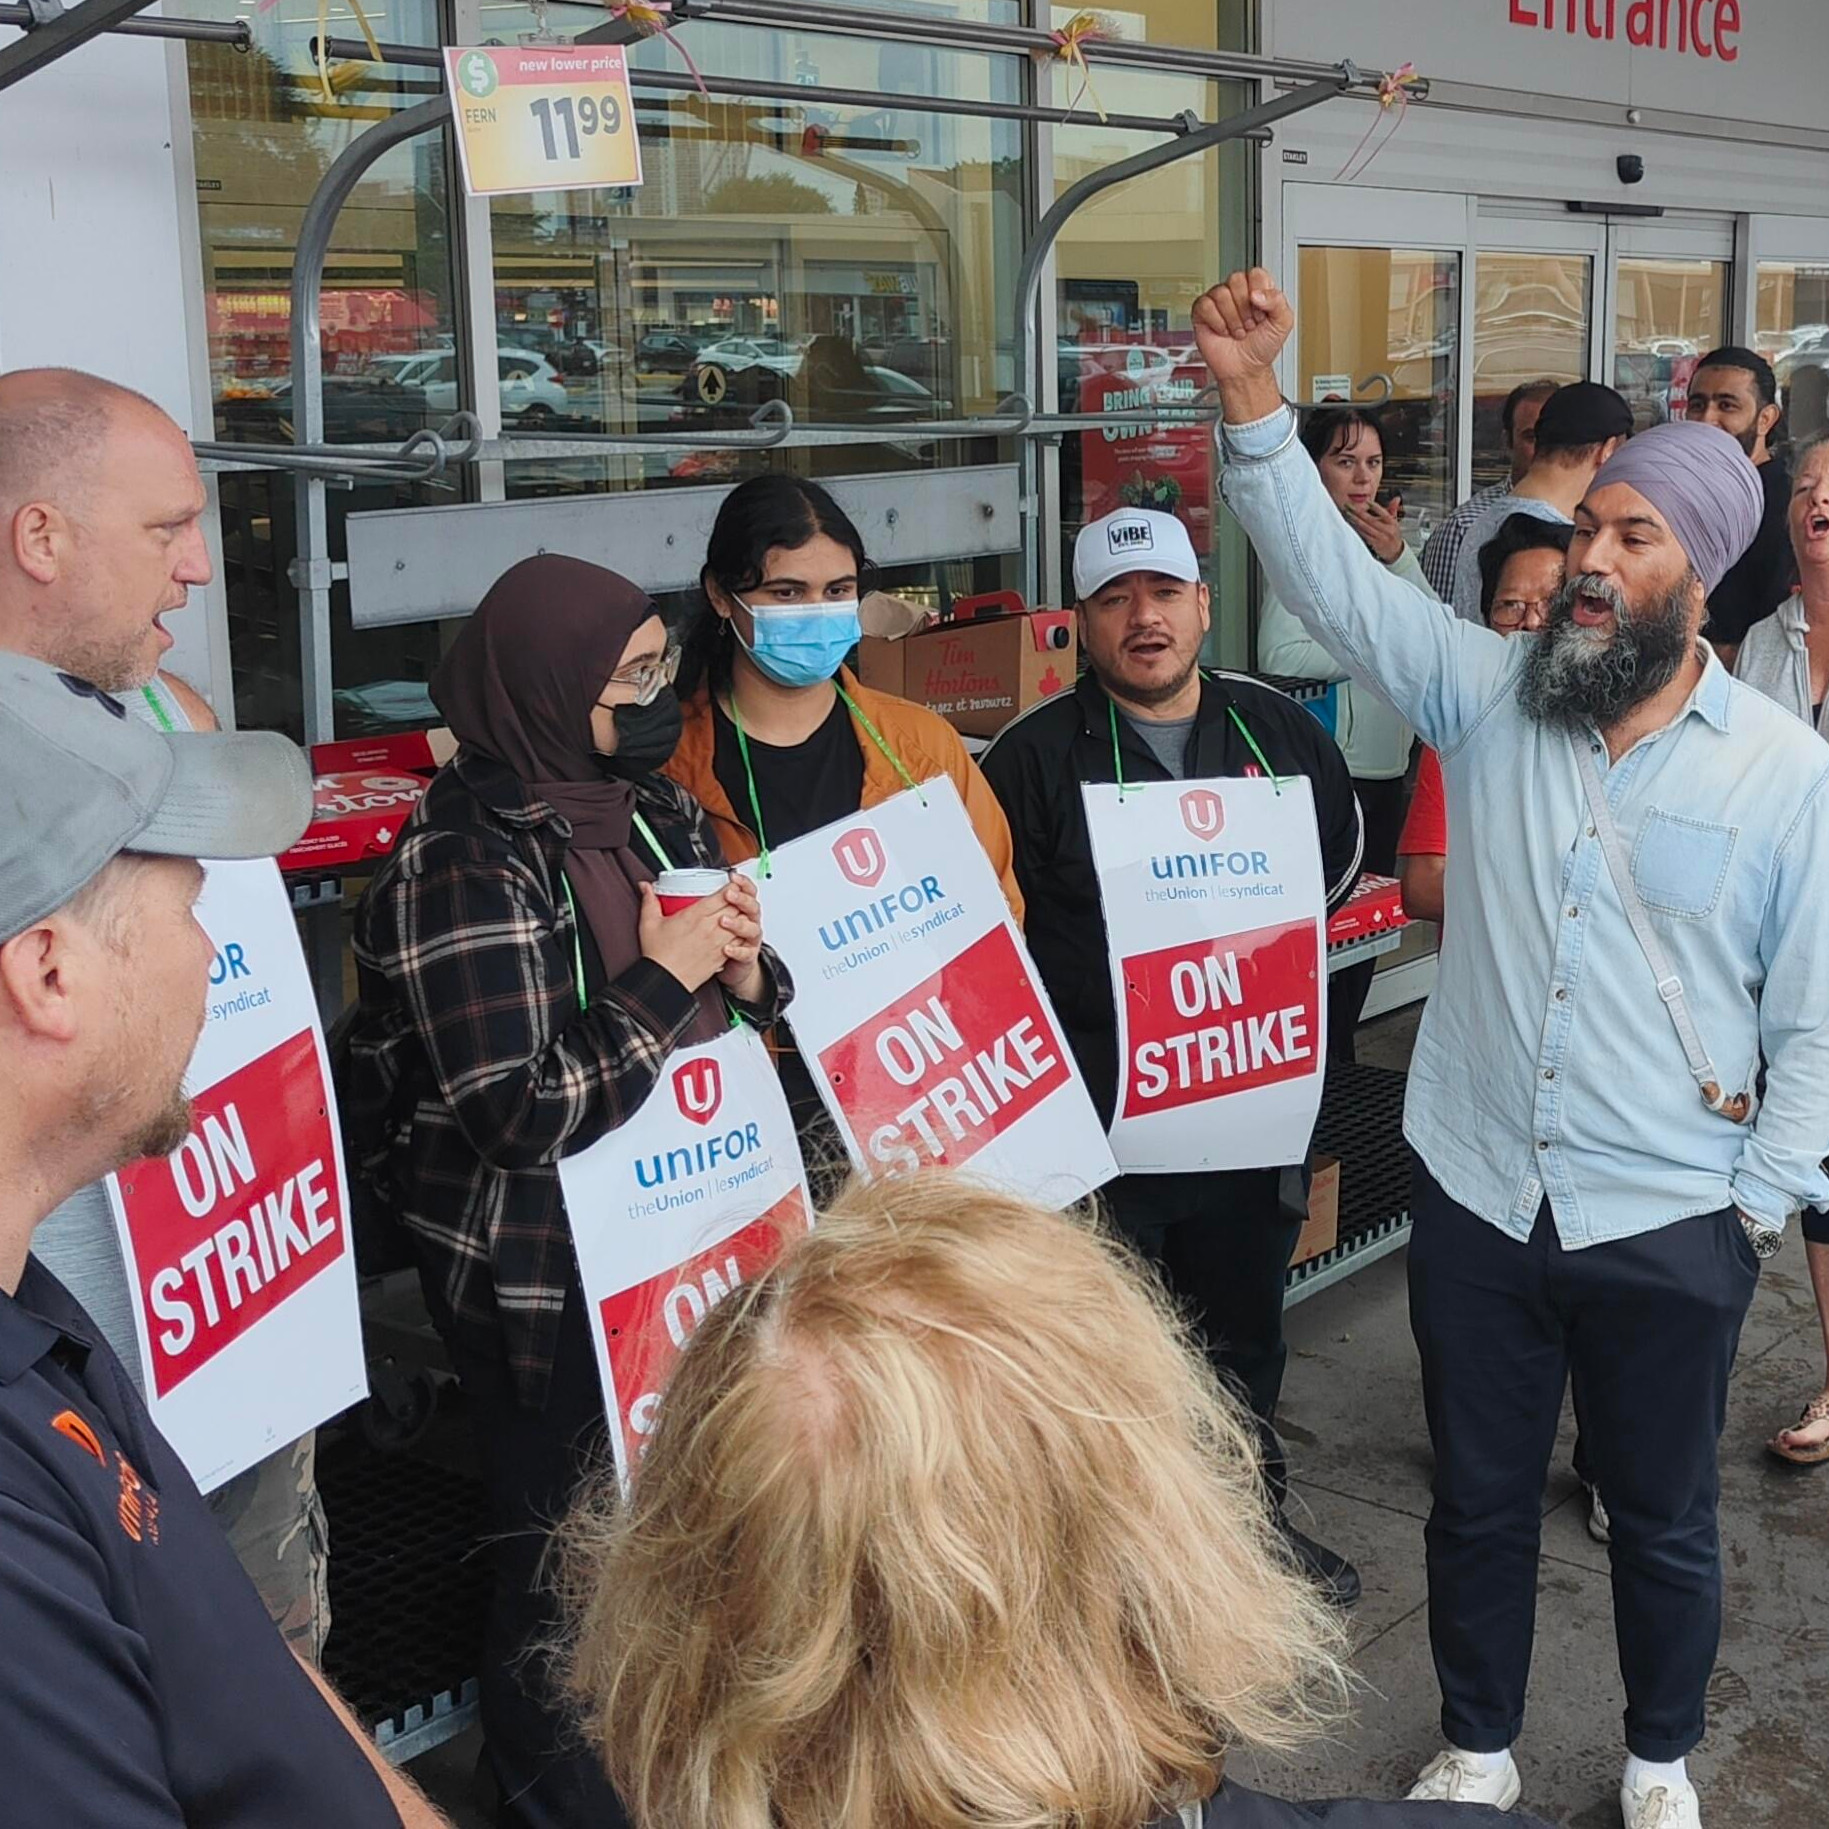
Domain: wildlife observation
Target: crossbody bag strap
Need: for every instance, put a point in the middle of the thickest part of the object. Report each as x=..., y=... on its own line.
x=1739, y=1105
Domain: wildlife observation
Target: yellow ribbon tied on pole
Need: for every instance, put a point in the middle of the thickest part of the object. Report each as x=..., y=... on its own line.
x=653, y=19
x=343, y=76
x=1070, y=44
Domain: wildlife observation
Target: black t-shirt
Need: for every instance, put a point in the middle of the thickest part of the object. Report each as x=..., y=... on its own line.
x=802, y=786
x=1763, y=576
x=142, y=1684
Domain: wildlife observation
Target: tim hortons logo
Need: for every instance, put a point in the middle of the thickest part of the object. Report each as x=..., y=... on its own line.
x=699, y=1087
x=860, y=857
x=1203, y=813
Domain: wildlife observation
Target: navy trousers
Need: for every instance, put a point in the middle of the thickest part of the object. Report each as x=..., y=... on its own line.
x=1649, y=1327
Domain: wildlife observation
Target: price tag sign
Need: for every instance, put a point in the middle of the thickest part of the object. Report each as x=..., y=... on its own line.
x=542, y=117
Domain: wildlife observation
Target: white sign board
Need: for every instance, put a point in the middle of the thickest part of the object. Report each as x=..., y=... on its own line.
x=670, y=1212
x=1216, y=915
x=237, y=1246
x=919, y=1012
x=1735, y=59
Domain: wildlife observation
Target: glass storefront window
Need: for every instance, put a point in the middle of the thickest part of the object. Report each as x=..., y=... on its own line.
x=1129, y=266
x=1793, y=335
x=1670, y=312
x=858, y=264
x=1396, y=312
x=265, y=134
x=1532, y=315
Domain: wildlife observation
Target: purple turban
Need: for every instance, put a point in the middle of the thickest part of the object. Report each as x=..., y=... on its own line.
x=1701, y=482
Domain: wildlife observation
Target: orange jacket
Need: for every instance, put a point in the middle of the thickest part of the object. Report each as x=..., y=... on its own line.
x=926, y=744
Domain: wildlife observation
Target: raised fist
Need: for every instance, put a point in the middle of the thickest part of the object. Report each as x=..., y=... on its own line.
x=1242, y=325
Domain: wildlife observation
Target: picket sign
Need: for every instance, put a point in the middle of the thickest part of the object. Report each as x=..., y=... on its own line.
x=918, y=1009
x=237, y=1246
x=1215, y=914
x=671, y=1211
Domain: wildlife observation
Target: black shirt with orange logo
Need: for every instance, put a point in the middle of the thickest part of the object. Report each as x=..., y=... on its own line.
x=141, y=1681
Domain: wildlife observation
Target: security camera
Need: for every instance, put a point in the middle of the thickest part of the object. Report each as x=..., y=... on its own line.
x=1631, y=168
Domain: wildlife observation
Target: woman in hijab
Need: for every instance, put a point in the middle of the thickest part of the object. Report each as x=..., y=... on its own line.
x=520, y=992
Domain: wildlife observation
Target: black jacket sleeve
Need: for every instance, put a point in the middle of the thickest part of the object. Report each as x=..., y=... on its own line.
x=1337, y=816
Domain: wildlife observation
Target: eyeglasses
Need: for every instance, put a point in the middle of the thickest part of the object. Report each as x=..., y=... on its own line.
x=647, y=678
x=1519, y=609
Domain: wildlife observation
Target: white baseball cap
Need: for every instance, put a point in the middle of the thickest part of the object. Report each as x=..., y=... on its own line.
x=1131, y=540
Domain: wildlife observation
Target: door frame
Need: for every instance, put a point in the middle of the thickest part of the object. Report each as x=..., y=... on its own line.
x=1364, y=216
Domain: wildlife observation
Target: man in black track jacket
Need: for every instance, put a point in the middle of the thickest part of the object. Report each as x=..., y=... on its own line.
x=1223, y=1240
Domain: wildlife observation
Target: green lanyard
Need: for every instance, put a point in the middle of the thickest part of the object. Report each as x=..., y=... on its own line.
x=749, y=773
x=158, y=709
x=1244, y=730
x=571, y=906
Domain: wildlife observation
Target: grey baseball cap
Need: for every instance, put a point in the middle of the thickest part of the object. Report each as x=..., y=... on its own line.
x=81, y=780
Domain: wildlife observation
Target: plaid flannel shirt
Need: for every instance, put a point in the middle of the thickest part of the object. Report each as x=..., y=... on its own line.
x=471, y=1068
x=1441, y=554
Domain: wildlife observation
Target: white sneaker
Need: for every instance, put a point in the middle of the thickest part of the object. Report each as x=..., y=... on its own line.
x=1660, y=1807
x=1453, y=1777
x=1600, y=1526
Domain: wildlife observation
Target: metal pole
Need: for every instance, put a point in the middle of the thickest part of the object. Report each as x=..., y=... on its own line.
x=312, y=571
x=354, y=49
x=1035, y=255
x=205, y=31
x=62, y=31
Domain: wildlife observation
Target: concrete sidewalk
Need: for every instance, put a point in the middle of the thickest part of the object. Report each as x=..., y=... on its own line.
x=1352, y=1415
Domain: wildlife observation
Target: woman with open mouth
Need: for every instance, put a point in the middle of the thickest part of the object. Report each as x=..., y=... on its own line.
x=1786, y=656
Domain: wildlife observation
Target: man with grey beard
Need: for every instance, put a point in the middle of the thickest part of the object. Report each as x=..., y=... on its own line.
x=1638, y=861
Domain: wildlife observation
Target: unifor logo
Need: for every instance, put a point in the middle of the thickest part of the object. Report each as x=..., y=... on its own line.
x=699, y=1087
x=1131, y=536
x=860, y=857
x=1203, y=813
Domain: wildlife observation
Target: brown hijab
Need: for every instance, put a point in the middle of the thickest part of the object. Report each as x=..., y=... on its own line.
x=519, y=685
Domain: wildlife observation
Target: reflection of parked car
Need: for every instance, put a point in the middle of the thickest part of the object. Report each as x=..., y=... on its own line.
x=533, y=394
x=358, y=409
x=1142, y=363
x=666, y=352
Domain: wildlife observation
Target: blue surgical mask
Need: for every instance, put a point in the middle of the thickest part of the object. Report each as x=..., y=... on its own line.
x=803, y=644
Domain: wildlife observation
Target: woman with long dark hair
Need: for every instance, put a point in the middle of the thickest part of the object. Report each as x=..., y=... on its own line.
x=780, y=738
x=520, y=994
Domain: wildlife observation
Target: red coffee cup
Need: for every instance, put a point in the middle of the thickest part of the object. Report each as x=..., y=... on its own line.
x=679, y=889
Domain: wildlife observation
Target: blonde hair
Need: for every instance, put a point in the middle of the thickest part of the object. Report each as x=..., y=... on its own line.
x=944, y=1523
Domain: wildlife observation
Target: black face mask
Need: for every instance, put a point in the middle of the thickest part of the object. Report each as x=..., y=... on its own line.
x=646, y=735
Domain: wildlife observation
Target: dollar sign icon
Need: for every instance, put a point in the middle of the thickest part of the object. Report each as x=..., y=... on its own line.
x=478, y=74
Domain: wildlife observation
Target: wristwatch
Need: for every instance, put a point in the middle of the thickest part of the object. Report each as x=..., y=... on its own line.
x=1766, y=1242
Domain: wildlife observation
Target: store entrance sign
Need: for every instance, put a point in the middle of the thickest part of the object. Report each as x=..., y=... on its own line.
x=1701, y=28
x=542, y=117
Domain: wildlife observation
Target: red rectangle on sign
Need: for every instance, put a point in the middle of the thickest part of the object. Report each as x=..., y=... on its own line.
x=646, y=1327
x=242, y=1215
x=1221, y=1016
x=951, y=1064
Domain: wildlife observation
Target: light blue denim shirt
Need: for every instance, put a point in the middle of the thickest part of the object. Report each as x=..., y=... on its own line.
x=1547, y=1064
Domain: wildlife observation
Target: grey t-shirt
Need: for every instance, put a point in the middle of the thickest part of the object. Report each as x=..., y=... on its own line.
x=78, y=1243
x=1166, y=739
x=1467, y=566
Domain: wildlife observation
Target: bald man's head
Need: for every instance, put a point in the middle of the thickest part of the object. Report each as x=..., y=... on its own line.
x=100, y=524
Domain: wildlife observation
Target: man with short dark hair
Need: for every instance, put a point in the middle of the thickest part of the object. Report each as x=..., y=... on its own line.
x=142, y=1685
x=1640, y=897
x=1580, y=427
x=1144, y=711
x=1735, y=389
x=101, y=539
x=1442, y=550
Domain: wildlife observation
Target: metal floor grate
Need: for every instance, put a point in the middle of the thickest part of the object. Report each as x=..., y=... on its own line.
x=408, y=1587
x=1362, y=1123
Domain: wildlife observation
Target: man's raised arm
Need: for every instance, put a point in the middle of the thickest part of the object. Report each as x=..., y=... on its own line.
x=1439, y=672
